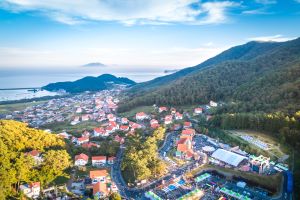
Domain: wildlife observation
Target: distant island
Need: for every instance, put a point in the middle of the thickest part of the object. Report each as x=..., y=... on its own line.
x=88, y=83
x=94, y=64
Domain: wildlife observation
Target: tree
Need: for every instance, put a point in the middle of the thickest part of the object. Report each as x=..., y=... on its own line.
x=115, y=196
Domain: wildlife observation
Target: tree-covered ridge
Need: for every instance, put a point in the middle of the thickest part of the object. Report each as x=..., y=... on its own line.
x=267, y=82
x=88, y=83
x=17, y=167
x=244, y=52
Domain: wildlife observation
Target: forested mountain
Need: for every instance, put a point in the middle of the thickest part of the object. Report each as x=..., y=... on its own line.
x=17, y=167
x=88, y=83
x=241, y=52
x=255, y=76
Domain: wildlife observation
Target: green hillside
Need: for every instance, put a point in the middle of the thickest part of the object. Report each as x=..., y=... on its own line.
x=241, y=52
x=88, y=83
x=16, y=139
x=264, y=77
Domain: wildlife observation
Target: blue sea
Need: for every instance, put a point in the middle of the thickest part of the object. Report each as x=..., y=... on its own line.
x=37, y=78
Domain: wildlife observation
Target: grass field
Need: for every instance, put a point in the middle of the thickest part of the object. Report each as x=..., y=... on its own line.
x=8, y=108
x=66, y=126
x=275, y=147
x=131, y=113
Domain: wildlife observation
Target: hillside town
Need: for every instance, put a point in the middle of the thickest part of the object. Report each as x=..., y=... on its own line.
x=184, y=150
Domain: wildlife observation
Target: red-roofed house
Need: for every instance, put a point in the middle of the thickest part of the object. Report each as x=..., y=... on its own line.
x=178, y=116
x=168, y=119
x=184, y=148
x=188, y=132
x=162, y=109
x=124, y=128
x=111, y=160
x=109, y=130
x=198, y=111
x=187, y=125
x=141, y=116
x=36, y=155
x=82, y=140
x=100, y=190
x=135, y=126
x=124, y=120
x=114, y=125
x=98, y=161
x=31, y=190
x=99, y=132
x=111, y=117
x=81, y=159
x=90, y=145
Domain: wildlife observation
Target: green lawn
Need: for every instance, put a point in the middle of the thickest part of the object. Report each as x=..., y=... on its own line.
x=131, y=113
x=78, y=128
x=8, y=108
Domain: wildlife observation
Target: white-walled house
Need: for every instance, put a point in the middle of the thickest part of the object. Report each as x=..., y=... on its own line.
x=31, y=190
x=81, y=159
x=141, y=116
x=98, y=161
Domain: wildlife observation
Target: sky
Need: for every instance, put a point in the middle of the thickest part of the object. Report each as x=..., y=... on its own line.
x=138, y=34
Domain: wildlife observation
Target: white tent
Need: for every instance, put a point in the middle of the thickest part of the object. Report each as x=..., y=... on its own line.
x=228, y=157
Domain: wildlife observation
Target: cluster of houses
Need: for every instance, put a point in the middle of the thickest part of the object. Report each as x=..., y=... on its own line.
x=76, y=109
x=98, y=181
x=97, y=161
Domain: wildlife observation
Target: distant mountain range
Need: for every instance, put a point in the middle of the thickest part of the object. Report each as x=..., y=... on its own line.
x=96, y=64
x=88, y=83
x=257, y=76
x=167, y=71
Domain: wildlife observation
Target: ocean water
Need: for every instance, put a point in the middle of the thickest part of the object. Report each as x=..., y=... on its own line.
x=7, y=95
x=39, y=78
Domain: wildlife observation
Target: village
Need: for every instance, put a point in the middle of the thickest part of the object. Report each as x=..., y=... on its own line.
x=96, y=172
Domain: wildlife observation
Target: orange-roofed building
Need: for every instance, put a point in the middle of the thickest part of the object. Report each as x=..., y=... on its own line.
x=188, y=132
x=100, y=190
x=184, y=148
x=98, y=175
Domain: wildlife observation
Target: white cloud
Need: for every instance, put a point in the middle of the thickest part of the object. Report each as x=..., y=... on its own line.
x=260, y=11
x=128, y=12
x=272, y=38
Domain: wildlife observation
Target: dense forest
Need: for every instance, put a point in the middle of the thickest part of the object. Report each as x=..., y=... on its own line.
x=266, y=81
x=88, y=83
x=16, y=139
x=141, y=160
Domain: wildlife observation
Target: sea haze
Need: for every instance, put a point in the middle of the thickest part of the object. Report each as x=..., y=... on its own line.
x=23, y=78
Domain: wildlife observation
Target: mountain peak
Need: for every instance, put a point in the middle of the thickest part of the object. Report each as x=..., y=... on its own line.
x=94, y=64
